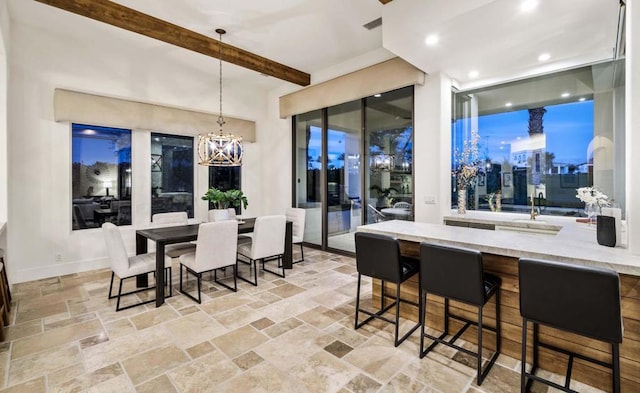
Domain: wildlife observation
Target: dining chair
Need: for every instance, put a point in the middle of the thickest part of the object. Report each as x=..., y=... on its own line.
x=79, y=221
x=125, y=266
x=216, y=249
x=173, y=219
x=124, y=212
x=402, y=205
x=266, y=241
x=297, y=216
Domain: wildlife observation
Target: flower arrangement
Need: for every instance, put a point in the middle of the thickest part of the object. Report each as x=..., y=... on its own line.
x=467, y=162
x=592, y=196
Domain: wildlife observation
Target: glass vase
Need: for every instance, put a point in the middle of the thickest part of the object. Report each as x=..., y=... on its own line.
x=591, y=210
x=462, y=200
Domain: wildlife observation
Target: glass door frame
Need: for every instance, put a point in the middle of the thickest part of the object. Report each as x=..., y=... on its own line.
x=364, y=165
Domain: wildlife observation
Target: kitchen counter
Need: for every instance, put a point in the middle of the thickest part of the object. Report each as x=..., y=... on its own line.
x=574, y=242
x=559, y=239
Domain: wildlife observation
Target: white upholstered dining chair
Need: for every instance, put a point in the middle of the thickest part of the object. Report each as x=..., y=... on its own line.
x=172, y=219
x=125, y=266
x=216, y=249
x=267, y=240
x=297, y=216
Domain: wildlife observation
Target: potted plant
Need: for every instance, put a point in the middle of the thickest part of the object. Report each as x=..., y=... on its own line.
x=385, y=193
x=223, y=200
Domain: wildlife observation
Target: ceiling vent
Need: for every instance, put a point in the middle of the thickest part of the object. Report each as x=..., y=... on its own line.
x=373, y=24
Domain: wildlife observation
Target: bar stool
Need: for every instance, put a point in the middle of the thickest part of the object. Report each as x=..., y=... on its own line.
x=577, y=299
x=456, y=273
x=378, y=256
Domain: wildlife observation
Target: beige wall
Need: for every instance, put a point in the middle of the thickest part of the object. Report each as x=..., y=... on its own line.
x=39, y=186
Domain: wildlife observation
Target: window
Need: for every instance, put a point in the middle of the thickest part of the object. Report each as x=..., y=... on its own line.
x=225, y=178
x=171, y=174
x=542, y=138
x=101, y=176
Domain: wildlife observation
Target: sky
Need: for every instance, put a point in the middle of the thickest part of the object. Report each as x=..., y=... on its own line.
x=91, y=144
x=568, y=129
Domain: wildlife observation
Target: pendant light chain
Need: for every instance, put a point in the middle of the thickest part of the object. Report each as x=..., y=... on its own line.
x=220, y=117
x=219, y=149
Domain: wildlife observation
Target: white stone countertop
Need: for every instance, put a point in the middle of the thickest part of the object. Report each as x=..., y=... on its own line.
x=574, y=243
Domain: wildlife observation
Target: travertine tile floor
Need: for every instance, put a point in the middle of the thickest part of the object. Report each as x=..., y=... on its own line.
x=286, y=335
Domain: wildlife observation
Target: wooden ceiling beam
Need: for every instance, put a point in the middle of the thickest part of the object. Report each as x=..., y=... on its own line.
x=147, y=25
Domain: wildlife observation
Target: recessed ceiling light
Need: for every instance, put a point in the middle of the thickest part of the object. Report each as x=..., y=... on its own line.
x=528, y=5
x=544, y=57
x=582, y=99
x=518, y=138
x=377, y=95
x=473, y=74
x=565, y=95
x=502, y=142
x=431, y=39
x=508, y=104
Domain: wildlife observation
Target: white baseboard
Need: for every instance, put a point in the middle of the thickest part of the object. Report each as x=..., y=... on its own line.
x=60, y=269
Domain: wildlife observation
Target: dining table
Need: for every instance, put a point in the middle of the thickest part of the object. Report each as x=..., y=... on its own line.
x=163, y=236
x=401, y=213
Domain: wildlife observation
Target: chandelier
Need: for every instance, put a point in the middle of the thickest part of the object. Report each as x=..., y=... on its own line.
x=220, y=149
x=382, y=162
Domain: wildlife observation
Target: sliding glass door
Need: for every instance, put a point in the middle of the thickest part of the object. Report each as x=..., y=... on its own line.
x=344, y=191
x=350, y=161
x=309, y=161
x=389, y=163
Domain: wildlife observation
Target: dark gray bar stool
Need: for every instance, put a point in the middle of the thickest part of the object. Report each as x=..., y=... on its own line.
x=456, y=273
x=578, y=299
x=378, y=256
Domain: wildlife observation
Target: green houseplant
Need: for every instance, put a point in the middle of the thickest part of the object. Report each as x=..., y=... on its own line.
x=225, y=199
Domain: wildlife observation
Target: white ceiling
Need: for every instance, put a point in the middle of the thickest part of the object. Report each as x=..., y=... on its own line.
x=497, y=39
x=491, y=36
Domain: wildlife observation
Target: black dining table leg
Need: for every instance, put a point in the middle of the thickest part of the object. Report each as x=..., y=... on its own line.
x=287, y=261
x=159, y=273
x=142, y=280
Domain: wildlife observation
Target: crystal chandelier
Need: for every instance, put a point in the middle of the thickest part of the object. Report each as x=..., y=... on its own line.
x=219, y=149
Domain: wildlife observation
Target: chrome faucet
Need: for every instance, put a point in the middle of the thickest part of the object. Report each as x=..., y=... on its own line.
x=534, y=213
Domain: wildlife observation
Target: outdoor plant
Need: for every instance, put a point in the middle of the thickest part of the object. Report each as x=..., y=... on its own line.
x=225, y=199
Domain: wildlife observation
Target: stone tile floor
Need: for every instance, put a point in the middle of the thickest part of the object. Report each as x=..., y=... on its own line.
x=286, y=335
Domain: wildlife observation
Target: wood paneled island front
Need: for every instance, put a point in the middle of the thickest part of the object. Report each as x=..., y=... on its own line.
x=574, y=243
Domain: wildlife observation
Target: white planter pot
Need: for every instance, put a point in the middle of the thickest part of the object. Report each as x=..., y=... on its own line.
x=219, y=215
